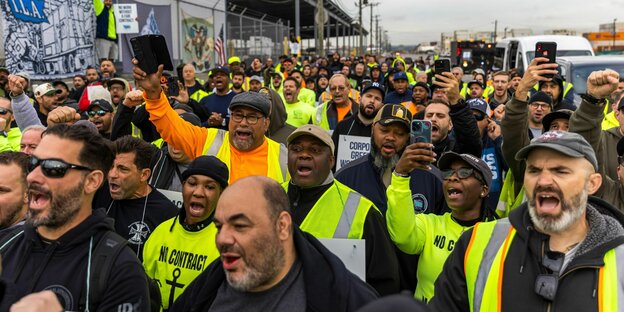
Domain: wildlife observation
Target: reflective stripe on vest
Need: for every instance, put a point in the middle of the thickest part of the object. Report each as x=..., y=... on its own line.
x=610, y=277
x=136, y=132
x=339, y=213
x=482, y=255
x=508, y=200
x=321, y=116
x=198, y=95
x=348, y=213
x=218, y=145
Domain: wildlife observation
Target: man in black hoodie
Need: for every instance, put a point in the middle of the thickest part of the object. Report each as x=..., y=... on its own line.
x=267, y=263
x=53, y=250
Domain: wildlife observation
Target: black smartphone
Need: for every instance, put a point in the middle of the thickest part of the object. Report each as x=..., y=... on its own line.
x=547, y=50
x=420, y=131
x=151, y=51
x=441, y=66
x=173, y=88
x=180, y=71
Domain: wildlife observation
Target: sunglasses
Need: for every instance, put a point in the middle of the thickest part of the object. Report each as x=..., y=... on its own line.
x=3, y=111
x=546, y=284
x=462, y=173
x=53, y=168
x=99, y=113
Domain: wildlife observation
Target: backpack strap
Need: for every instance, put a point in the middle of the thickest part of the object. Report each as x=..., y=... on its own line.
x=102, y=259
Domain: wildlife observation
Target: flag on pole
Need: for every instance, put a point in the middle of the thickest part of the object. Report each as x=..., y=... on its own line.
x=219, y=48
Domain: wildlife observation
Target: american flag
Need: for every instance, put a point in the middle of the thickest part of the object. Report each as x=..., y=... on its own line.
x=219, y=48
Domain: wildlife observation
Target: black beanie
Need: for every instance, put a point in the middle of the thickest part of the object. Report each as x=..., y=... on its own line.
x=209, y=166
x=541, y=96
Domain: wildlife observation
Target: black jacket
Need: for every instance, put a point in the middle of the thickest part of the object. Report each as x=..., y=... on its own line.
x=329, y=286
x=31, y=264
x=125, y=117
x=466, y=138
x=577, y=289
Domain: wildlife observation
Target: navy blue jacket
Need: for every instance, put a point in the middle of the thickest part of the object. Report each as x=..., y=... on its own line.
x=493, y=156
x=363, y=176
x=396, y=98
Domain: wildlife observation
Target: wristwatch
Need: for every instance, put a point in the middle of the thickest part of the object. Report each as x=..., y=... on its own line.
x=592, y=100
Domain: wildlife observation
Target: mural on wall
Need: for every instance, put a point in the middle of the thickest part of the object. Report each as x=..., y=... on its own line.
x=49, y=39
x=197, y=41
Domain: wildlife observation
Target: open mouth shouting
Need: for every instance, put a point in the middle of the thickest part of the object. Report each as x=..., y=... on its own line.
x=38, y=197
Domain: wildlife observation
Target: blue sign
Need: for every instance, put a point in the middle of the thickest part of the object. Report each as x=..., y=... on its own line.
x=28, y=10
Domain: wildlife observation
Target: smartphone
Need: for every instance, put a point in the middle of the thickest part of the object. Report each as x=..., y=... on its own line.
x=180, y=72
x=174, y=89
x=547, y=50
x=151, y=51
x=420, y=131
x=441, y=66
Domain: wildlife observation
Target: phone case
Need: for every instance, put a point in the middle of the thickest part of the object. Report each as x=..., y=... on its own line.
x=421, y=131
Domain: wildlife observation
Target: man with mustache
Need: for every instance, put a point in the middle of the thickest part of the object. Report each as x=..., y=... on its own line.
x=267, y=263
x=519, y=263
x=52, y=251
x=244, y=148
x=322, y=205
x=13, y=190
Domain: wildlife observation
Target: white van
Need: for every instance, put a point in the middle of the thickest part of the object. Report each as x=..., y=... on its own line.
x=520, y=51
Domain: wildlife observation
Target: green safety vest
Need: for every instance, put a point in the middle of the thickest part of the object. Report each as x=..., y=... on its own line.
x=198, y=95
x=485, y=259
x=276, y=161
x=339, y=213
x=567, y=86
x=508, y=200
x=12, y=141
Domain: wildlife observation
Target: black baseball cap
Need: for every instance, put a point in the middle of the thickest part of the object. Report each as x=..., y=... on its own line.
x=550, y=117
x=376, y=86
x=390, y=113
x=102, y=104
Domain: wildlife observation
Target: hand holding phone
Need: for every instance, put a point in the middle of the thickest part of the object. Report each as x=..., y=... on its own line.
x=151, y=51
x=441, y=66
x=547, y=50
x=420, y=131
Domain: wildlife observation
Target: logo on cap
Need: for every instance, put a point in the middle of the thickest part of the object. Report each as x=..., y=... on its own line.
x=399, y=112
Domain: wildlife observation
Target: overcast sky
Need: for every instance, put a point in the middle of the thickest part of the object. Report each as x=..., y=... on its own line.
x=414, y=21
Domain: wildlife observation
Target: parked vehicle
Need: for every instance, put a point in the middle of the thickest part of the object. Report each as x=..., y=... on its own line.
x=576, y=69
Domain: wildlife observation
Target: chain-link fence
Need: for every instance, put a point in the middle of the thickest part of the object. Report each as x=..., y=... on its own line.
x=250, y=36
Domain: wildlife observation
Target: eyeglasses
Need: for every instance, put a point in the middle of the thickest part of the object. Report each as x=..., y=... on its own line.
x=546, y=284
x=462, y=173
x=339, y=88
x=479, y=116
x=539, y=105
x=53, y=168
x=251, y=119
x=3, y=111
x=99, y=113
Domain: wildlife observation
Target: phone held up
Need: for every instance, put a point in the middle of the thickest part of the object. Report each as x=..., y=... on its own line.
x=420, y=131
x=547, y=50
x=151, y=51
x=441, y=66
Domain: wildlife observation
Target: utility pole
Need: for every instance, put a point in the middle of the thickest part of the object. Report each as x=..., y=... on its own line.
x=614, y=34
x=361, y=35
x=377, y=43
x=370, y=30
x=320, y=8
x=495, y=29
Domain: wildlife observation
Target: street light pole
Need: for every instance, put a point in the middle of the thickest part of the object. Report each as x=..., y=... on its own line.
x=614, y=34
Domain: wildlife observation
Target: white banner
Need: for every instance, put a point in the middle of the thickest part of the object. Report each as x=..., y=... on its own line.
x=350, y=148
x=352, y=252
x=127, y=18
x=174, y=197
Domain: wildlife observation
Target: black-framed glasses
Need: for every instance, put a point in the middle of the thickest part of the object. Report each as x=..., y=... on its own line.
x=251, y=119
x=479, y=116
x=462, y=173
x=540, y=105
x=100, y=113
x=546, y=284
x=53, y=168
x=3, y=111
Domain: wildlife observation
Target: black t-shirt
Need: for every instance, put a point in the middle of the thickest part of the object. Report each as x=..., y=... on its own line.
x=288, y=295
x=136, y=219
x=351, y=125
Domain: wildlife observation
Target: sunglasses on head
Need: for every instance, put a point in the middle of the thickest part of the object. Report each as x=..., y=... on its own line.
x=53, y=168
x=3, y=111
x=99, y=113
x=546, y=284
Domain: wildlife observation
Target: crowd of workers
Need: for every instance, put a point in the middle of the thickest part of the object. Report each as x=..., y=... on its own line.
x=179, y=194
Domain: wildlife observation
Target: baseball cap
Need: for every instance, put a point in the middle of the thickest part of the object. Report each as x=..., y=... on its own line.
x=475, y=162
x=390, y=113
x=568, y=143
x=475, y=82
x=102, y=104
x=550, y=117
x=234, y=59
x=376, y=86
x=59, y=82
x=400, y=75
x=314, y=131
x=26, y=76
x=209, y=166
x=253, y=100
x=46, y=89
x=541, y=96
x=119, y=81
x=479, y=105
x=222, y=69
x=256, y=78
